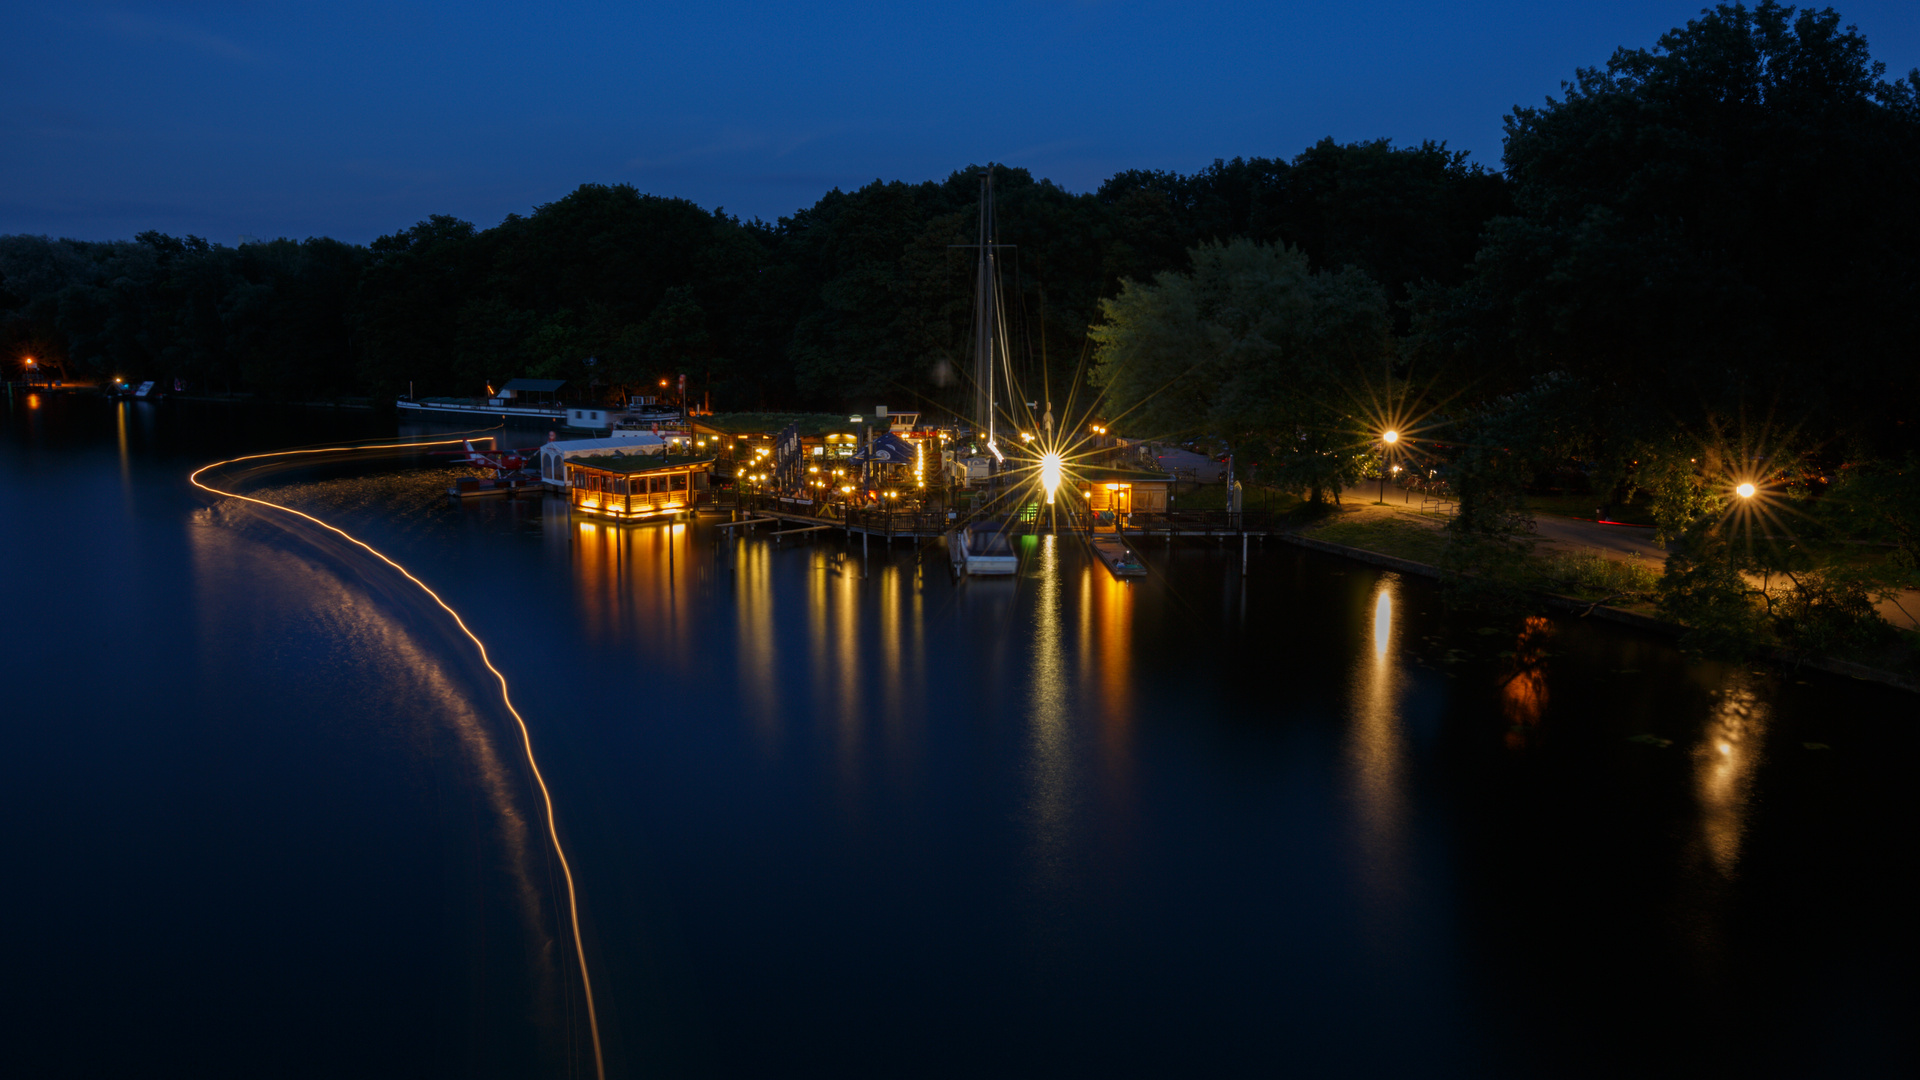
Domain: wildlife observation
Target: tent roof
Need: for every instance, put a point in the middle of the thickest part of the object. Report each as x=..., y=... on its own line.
x=636, y=444
x=887, y=447
x=640, y=463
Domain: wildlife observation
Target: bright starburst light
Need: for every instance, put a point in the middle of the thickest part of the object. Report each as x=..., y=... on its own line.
x=1050, y=473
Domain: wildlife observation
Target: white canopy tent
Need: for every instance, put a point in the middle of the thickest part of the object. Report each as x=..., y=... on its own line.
x=554, y=455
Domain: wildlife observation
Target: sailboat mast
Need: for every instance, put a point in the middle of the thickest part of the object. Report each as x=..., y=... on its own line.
x=983, y=318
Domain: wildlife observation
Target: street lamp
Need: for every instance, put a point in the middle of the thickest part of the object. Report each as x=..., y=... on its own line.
x=1389, y=437
x=1745, y=491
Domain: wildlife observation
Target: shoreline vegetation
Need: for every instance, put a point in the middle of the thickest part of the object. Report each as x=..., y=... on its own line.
x=1684, y=300
x=1582, y=604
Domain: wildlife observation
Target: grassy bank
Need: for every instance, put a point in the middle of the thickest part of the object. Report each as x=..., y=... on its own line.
x=1402, y=536
x=1584, y=575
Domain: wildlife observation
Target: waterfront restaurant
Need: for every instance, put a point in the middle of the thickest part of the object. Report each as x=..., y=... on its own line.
x=638, y=487
x=1116, y=496
x=739, y=439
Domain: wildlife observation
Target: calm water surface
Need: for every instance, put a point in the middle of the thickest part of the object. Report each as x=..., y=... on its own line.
x=265, y=814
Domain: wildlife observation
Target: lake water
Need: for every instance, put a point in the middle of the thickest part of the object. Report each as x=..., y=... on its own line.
x=266, y=814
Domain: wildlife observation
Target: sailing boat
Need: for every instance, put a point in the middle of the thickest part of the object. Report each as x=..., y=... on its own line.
x=982, y=547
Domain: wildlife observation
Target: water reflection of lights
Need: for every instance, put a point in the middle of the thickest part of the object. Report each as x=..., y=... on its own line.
x=401, y=667
x=1382, y=623
x=758, y=643
x=1724, y=765
x=1050, y=767
x=628, y=584
x=1376, y=756
x=526, y=736
x=1524, y=695
x=120, y=424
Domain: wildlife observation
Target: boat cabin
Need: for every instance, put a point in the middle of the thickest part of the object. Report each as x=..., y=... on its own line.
x=637, y=487
x=529, y=392
x=587, y=418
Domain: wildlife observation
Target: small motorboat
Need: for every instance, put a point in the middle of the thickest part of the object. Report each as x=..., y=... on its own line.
x=487, y=487
x=1119, y=558
x=981, y=547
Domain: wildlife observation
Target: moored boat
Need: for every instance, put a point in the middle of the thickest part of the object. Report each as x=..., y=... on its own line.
x=487, y=487
x=981, y=547
x=1119, y=558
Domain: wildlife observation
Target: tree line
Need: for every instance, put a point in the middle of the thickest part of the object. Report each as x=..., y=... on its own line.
x=861, y=299
x=1702, y=295
x=1698, y=267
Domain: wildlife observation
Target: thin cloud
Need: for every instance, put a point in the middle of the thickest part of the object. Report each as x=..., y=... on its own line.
x=139, y=27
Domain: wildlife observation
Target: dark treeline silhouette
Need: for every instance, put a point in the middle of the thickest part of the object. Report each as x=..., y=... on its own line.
x=1702, y=296
x=861, y=298
x=1699, y=267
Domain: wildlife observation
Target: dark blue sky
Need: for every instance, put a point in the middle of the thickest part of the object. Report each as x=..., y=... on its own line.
x=351, y=119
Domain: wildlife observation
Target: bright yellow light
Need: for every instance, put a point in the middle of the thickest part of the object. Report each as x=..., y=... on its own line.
x=1390, y=437
x=1050, y=473
x=1745, y=491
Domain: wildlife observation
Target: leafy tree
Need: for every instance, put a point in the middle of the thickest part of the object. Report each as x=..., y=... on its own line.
x=1714, y=227
x=1252, y=346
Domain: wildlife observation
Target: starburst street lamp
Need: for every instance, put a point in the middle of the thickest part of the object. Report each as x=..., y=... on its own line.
x=1745, y=491
x=1050, y=474
x=1389, y=437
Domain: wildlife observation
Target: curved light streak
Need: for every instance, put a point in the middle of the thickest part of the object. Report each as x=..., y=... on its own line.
x=526, y=736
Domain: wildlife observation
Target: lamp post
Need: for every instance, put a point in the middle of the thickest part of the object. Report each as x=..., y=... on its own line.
x=1389, y=438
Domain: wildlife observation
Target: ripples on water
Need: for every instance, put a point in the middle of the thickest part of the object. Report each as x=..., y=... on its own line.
x=842, y=813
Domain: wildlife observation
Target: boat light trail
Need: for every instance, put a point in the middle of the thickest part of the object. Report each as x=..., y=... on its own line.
x=526, y=736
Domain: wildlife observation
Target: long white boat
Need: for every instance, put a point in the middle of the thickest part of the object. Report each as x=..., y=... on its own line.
x=478, y=407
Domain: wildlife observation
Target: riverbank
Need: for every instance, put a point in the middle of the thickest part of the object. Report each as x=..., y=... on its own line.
x=1410, y=541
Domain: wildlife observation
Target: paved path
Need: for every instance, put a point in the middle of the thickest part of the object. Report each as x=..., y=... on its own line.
x=1612, y=540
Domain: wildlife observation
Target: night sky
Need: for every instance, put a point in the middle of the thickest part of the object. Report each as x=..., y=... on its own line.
x=352, y=119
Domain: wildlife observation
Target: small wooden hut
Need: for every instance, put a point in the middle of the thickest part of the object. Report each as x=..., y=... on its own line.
x=1116, y=495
